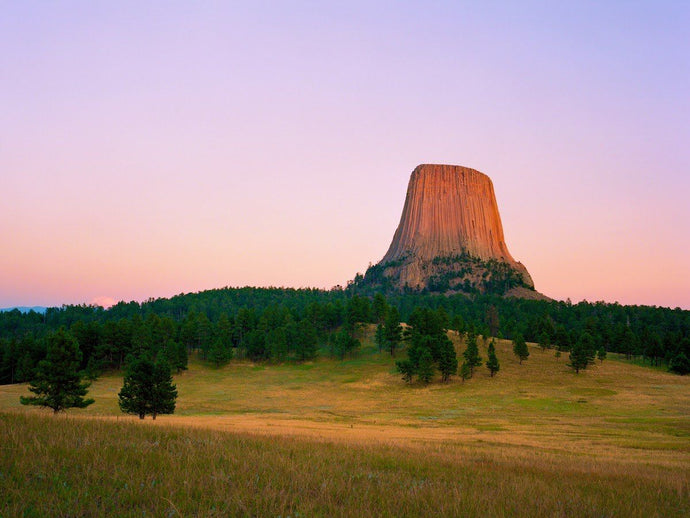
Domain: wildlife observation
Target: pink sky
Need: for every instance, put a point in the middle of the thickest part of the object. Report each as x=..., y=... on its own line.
x=146, y=152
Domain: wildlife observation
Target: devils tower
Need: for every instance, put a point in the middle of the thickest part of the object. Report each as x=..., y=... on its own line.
x=450, y=239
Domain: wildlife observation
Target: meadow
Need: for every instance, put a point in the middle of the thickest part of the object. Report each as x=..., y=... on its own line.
x=349, y=438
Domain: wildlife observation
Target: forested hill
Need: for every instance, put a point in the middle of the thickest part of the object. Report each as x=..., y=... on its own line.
x=283, y=324
x=25, y=309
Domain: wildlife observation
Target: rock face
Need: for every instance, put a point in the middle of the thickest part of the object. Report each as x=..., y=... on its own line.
x=450, y=237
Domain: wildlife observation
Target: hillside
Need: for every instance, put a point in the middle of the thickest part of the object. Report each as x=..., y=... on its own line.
x=363, y=396
x=536, y=440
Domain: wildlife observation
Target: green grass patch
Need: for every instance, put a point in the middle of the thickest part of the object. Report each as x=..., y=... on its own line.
x=592, y=391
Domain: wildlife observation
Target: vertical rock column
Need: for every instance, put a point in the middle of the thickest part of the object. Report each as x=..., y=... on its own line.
x=448, y=210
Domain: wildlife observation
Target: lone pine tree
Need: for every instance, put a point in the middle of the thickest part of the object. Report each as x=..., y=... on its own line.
x=520, y=348
x=471, y=354
x=492, y=361
x=582, y=353
x=148, y=388
x=57, y=383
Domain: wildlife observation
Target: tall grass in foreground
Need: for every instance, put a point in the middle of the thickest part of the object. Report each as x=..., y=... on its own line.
x=59, y=466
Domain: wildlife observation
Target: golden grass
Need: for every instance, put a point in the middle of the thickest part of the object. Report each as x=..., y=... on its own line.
x=57, y=466
x=536, y=439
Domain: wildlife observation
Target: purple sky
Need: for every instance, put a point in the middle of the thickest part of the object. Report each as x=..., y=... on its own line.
x=148, y=149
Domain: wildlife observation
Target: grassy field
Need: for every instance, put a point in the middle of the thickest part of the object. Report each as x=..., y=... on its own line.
x=349, y=438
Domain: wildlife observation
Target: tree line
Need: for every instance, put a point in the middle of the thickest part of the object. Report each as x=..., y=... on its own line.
x=280, y=324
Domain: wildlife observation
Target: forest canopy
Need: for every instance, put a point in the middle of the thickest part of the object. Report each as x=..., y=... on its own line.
x=284, y=324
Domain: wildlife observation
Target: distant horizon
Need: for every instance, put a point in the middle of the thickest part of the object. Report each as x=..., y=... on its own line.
x=148, y=151
x=107, y=304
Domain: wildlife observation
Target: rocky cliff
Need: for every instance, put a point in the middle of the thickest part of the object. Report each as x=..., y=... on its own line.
x=450, y=237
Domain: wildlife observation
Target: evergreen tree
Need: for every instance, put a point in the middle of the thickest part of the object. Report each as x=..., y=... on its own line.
x=458, y=324
x=204, y=335
x=255, y=343
x=492, y=361
x=429, y=345
x=492, y=320
x=26, y=370
x=148, y=388
x=277, y=341
x=305, y=345
x=393, y=330
x=562, y=338
x=141, y=337
x=465, y=372
x=219, y=353
x=448, y=361
x=179, y=356
x=379, y=308
x=345, y=343
x=601, y=355
x=188, y=331
x=582, y=353
x=405, y=368
x=679, y=364
x=57, y=383
x=471, y=354
x=380, y=337
x=223, y=334
x=164, y=390
x=544, y=341
x=425, y=370
x=520, y=347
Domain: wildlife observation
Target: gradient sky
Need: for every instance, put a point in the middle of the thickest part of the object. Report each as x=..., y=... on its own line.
x=153, y=148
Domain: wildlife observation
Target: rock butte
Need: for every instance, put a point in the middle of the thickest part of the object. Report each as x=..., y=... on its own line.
x=449, y=210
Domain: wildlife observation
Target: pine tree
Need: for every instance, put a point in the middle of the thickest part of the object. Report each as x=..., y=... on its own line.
x=277, y=341
x=255, y=344
x=148, y=388
x=492, y=320
x=345, y=342
x=471, y=354
x=220, y=348
x=458, y=324
x=379, y=308
x=204, y=334
x=582, y=353
x=679, y=364
x=448, y=361
x=135, y=395
x=164, y=390
x=380, y=337
x=520, y=347
x=425, y=370
x=307, y=341
x=180, y=357
x=189, y=330
x=405, y=368
x=601, y=355
x=465, y=372
x=392, y=330
x=492, y=362
x=219, y=353
x=544, y=341
x=57, y=383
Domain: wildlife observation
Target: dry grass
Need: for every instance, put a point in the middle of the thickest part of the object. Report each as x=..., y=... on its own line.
x=349, y=438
